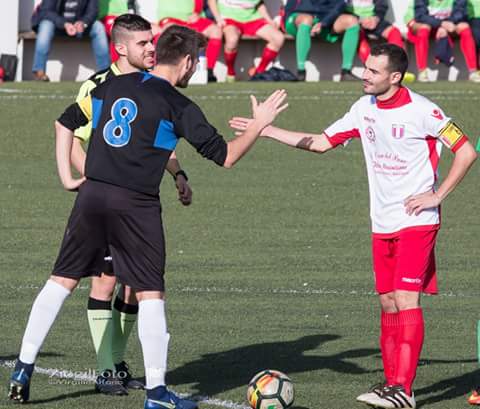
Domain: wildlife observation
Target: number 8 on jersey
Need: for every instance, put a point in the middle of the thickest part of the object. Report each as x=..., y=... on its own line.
x=117, y=131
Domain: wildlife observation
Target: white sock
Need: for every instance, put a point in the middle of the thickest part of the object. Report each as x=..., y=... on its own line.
x=153, y=335
x=45, y=309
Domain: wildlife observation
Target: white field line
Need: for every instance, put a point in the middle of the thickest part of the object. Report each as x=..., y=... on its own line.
x=247, y=290
x=89, y=377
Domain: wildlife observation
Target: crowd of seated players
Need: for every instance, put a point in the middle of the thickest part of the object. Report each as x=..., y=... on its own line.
x=352, y=24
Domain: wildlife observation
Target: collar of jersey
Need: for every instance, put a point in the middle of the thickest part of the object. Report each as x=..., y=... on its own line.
x=115, y=70
x=147, y=75
x=397, y=100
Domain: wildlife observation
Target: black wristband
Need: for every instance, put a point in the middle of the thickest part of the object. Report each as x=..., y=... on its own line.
x=181, y=172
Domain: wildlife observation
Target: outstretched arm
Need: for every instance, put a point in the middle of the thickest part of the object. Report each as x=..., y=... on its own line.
x=318, y=143
x=464, y=158
x=263, y=115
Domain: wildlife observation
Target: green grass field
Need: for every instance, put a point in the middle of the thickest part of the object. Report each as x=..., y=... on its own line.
x=269, y=268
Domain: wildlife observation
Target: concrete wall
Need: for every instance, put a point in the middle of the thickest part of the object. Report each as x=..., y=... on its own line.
x=8, y=39
x=70, y=61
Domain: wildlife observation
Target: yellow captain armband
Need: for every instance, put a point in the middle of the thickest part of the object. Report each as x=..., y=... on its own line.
x=451, y=134
x=86, y=106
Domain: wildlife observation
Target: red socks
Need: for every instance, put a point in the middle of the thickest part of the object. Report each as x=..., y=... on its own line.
x=230, y=58
x=421, y=48
x=363, y=47
x=469, y=49
x=411, y=331
x=395, y=37
x=388, y=342
x=212, y=52
x=268, y=56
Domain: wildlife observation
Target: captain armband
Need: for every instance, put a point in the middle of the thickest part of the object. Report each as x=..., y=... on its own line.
x=451, y=134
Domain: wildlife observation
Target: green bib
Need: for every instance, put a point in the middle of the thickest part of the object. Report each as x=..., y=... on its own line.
x=112, y=8
x=361, y=8
x=474, y=8
x=440, y=9
x=239, y=10
x=180, y=9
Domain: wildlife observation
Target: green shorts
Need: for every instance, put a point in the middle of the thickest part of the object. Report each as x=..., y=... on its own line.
x=326, y=34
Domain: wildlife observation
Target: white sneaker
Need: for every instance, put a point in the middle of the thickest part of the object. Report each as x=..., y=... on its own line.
x=373, y=393
x=423, y=76
x=474, y=76
x=394, y=397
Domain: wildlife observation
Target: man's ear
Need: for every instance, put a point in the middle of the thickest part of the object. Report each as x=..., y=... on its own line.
x=121, y=49
x=188, y=62
x=396, y=78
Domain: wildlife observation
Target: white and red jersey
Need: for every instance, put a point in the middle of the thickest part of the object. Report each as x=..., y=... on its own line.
x=402, y=141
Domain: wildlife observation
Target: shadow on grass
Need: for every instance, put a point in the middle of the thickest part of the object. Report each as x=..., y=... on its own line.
x=221, y=371
x=73, y=395
x=450, y=388
x=40, y=355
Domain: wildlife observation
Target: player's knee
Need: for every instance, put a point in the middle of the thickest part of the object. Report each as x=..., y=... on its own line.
x=277, y=40
x=304, y=19
x=103, y=288
x=407, y=300
x=387, y=302
x=348, y=20
x=462, y=27
x=215, y=32
x=231, y=42
x=69, y=283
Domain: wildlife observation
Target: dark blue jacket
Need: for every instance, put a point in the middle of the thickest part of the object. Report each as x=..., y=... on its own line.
x=459, y=13
x=53, y=10
x=381, y=8
x=326, y=10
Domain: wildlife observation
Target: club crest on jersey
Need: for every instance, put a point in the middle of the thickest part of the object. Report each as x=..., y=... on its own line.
x=398, y=131
x=437, y=114
x=370, y=133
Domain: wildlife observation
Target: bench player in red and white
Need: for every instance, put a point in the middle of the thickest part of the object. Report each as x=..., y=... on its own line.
x=189, y=13
x=402, y=134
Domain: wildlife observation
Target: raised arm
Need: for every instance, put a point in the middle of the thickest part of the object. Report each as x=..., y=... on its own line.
x=318, y=143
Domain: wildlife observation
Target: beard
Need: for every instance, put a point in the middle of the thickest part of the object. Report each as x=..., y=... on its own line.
x=183, y=82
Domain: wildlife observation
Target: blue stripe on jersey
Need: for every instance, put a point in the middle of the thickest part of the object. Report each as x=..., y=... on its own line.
x=165, y=138
x=96, y=111
x=146, y=76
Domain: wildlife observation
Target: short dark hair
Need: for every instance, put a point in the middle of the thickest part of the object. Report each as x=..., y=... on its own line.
x=397, y=57
x=129, y=22
x=176, y=42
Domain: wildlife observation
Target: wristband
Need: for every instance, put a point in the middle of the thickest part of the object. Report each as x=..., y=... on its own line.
x=181, y=172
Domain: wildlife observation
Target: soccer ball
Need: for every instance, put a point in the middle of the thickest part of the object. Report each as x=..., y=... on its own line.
x=270, y=389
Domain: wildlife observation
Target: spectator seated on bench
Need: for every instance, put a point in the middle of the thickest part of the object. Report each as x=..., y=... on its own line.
x=251, y=18
x=73, y=18
x=189, y=13
x=108, y=11
x=444, y=20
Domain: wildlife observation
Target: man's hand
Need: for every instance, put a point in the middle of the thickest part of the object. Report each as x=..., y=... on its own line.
x=221, y=22
x=184, y=190
x=266, y=112
x=417, y=203
x=241, y=124
x=70, y=29
x=80, y=27
x=369, y=23
x=193, y=18
x=73, y=184
x=448, y=25
x=316, y=29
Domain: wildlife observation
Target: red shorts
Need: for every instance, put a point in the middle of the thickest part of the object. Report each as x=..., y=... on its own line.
x=248, y=28
x=200, y=25
x=405, y=262
x=108, y=23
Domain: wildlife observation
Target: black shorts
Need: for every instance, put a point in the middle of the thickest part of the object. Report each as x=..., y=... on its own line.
x=111, y=220
x=377, y=31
